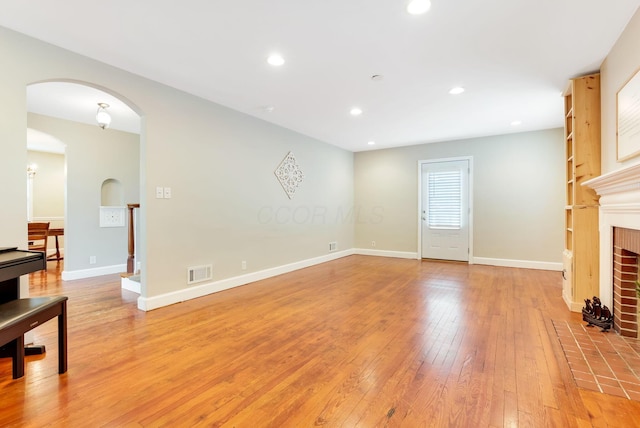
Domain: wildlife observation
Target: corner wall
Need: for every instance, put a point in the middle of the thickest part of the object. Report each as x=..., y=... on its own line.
x=622, y=62
x=227, y=206
x=518, y=196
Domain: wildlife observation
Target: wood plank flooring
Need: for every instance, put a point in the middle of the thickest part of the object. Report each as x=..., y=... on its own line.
x=357, y=342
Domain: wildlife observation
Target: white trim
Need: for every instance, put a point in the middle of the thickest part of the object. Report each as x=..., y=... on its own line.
x=573, y=306
x=619, y=192
x=155, y=302
x=619, y=181
x=611, y=217
x=620, y=208
x=29, y=197
x=383, y=253
x=470, y=218
x=166, y=299
x=524, y=264
x=90, y=273
x=40, y=219
x=128, y=284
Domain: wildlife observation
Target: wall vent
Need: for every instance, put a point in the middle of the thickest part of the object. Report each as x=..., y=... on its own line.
x=199, y=273
x=333, y=246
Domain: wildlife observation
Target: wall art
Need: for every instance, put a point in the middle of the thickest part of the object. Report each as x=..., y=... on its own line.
x=628, y=119
x=289, y=174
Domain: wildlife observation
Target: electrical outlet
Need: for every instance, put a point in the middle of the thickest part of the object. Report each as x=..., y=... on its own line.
x=92, y=260
x=112, y=217
x=159, y=192
x=373, y=243
x=244, y=265
x=333, y=246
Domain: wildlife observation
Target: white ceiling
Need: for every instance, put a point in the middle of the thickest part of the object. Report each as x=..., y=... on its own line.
x=513, y=57
x=76, y=102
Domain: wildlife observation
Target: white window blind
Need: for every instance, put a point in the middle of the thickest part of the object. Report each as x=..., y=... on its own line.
x=445, y=199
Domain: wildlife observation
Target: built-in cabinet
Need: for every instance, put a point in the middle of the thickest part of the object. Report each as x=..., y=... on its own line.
x=582, y=148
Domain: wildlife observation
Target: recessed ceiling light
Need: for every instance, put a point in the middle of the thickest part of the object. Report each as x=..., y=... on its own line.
x=355, y=111
x=418, y=7
x=516, y=123
x=457, y=90
x=275, y=60
x=371, y=143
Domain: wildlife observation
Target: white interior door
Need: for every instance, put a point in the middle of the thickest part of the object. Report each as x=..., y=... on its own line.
x=445, y=210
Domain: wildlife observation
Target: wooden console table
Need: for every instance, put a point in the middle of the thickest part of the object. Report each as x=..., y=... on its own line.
x=56, y=233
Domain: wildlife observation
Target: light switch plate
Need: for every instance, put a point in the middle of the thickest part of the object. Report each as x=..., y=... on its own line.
x=159, y=192
x=167, y=192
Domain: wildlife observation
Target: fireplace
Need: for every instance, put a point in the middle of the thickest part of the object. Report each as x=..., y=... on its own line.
x=626, y=247
x=619, y=214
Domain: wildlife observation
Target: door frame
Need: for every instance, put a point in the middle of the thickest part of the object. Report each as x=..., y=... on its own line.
x=440, y=160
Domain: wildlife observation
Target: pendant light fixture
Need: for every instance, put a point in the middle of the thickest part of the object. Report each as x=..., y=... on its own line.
x=102, y=116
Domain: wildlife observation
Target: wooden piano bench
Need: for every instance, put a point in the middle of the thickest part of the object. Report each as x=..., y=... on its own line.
x=21, y=315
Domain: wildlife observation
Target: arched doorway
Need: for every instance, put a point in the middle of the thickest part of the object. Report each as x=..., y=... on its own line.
x=66, y=110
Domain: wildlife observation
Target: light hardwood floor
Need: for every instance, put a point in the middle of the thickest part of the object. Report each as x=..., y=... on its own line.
x=357, y=342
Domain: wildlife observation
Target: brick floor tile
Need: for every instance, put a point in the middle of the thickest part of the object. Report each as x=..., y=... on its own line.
x=613, y=390
x=601, y=361
x=583, y=376
x=591, y=386
x=607, y=381
x=635, y=387
x=634, y=395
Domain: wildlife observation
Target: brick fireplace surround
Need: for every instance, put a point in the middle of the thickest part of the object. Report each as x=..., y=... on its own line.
x=619, y=193
x=626, y=247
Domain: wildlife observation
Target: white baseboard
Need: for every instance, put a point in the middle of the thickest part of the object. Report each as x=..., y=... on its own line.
x=155, y=302
x=383, y=253
x=573, y=306
x=89, y=273
x=524, y=264
x=42, y=219
x=130, y=285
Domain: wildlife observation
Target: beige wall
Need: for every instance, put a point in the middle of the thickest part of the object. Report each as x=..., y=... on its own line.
x=220, y=165
x=518, y=195
x=48, y=185
x=620, y=65
x=218, y=162
x=48, y=191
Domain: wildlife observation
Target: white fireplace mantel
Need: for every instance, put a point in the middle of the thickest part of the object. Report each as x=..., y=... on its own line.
x=619, y=193
x=620, y=181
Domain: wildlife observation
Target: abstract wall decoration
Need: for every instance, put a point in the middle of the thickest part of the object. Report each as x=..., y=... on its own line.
x=289, y=174
x=628, y=121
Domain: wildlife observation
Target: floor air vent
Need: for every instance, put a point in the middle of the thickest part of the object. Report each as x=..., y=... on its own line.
x=199, y=273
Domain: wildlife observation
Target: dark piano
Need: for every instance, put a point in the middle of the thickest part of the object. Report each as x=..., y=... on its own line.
x=13, y=264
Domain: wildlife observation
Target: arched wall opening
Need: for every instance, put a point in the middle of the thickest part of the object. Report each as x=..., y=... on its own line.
x=101, y=169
